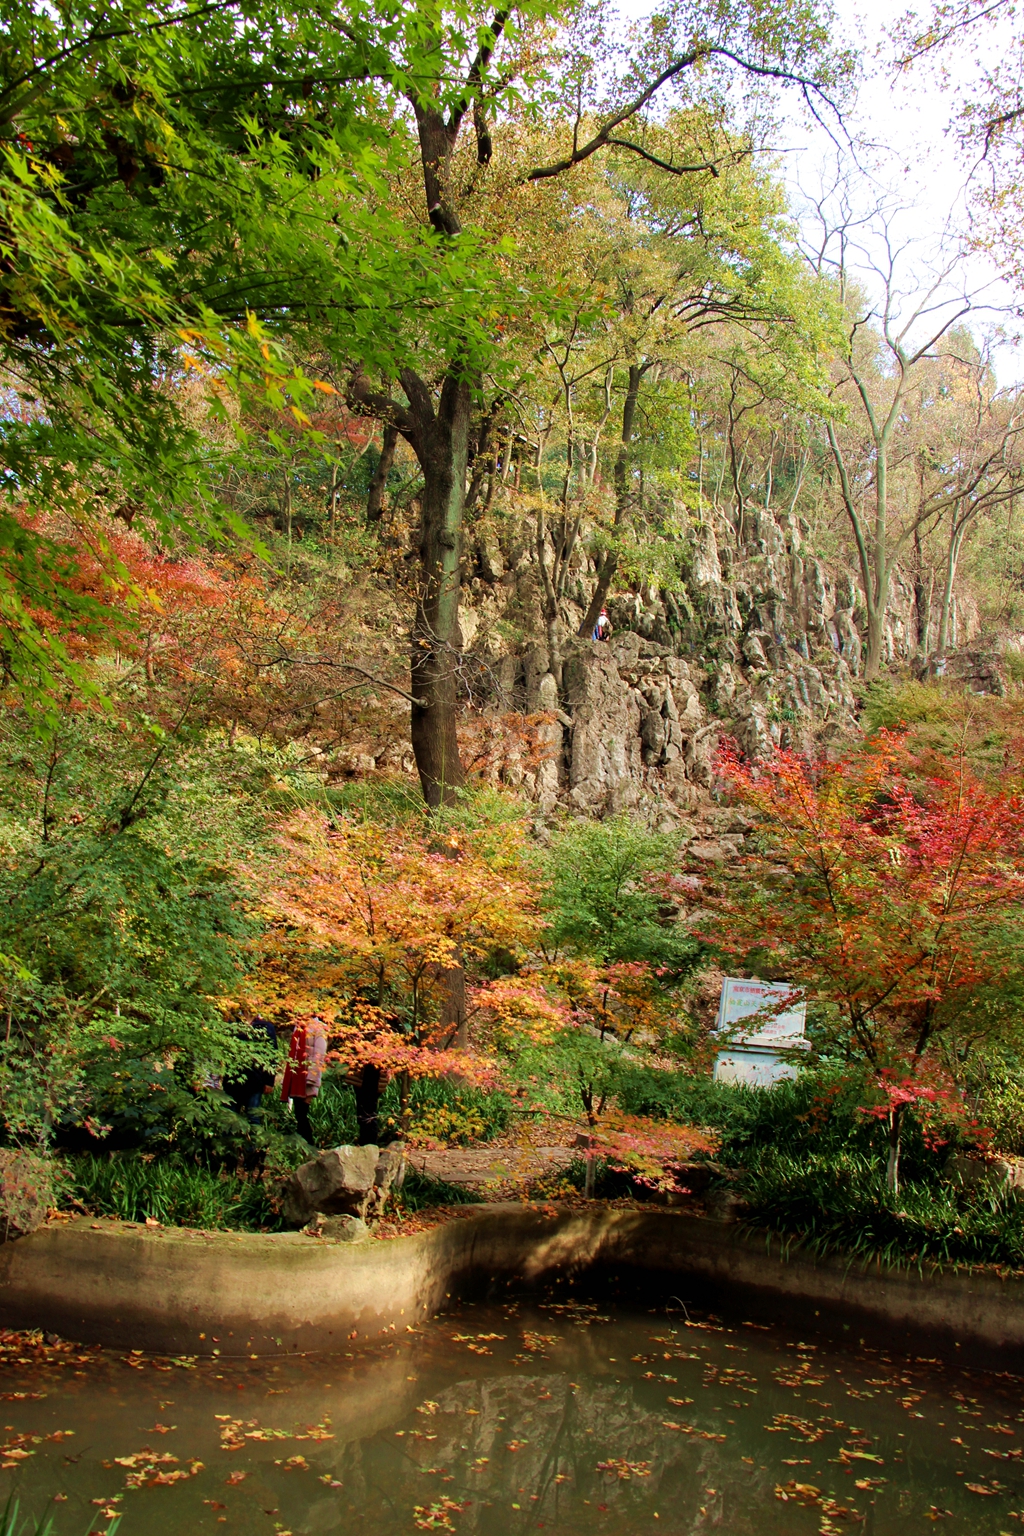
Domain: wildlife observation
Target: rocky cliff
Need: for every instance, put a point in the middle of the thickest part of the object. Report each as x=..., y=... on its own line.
x=762, y=644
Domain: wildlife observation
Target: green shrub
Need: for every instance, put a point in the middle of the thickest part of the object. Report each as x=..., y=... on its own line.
x=838, y=1203
x=440, y=1108
x=132, y=1186
x=1000, y=1107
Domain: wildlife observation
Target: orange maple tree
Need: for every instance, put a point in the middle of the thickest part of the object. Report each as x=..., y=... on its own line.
x=376, y=929
x=890, y=890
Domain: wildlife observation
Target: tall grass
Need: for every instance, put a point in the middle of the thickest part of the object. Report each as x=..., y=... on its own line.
x=837, y=1202
x=132, y=1187
x=12, y=1523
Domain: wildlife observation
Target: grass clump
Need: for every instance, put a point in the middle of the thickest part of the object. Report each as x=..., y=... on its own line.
x=419, y=1191
x=838, y=1203
x=133, y=1187
x=439, y=1109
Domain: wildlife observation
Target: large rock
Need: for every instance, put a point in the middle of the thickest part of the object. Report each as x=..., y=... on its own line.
x=1003, y=1175
x=337, y=1229
x=606, y=764
x=343, y=1181
x=26, y=1191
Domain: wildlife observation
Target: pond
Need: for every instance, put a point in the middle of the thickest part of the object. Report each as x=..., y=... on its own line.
x=559, y=1415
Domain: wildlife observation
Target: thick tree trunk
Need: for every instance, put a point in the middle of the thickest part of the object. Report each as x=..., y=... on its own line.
x=375, y=495
x=443, y=450
x=454, y=1020
x=367, y=1101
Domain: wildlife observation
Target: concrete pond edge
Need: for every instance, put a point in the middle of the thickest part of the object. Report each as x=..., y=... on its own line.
x=175, y=1291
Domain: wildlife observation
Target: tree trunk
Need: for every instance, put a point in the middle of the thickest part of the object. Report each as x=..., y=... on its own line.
x=952, y=556
x=367, y=1102
x=443, y=451
x=610, y=560
x=892, y=1166
x=375, y=495
x=876, y=637
x=454, y=1020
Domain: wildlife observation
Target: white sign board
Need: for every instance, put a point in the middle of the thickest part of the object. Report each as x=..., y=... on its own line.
x=742, y=998
x=754, y=1069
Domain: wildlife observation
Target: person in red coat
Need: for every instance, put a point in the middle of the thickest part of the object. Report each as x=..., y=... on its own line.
x=304, y=1070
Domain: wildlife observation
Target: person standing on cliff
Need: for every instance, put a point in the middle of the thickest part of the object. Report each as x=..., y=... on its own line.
x=304, y=1070
x=603, y=627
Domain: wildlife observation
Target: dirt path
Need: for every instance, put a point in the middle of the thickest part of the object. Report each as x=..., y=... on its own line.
x=491, y=1170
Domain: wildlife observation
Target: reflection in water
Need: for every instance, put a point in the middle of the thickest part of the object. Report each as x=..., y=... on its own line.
x=519, y=1418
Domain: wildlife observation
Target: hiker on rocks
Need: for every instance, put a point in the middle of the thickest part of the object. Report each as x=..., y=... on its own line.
x=603, y=627
x=304, y=1070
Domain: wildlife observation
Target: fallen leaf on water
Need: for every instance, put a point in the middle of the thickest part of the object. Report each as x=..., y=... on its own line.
x=236, y=1477
x=624, y=1470
x=799, y=1493
x=437, y=1517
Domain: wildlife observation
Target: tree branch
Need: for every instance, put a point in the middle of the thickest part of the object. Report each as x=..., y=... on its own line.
x=602, y=137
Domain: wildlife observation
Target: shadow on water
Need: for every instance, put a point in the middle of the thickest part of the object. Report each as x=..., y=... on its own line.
x=560, y=1413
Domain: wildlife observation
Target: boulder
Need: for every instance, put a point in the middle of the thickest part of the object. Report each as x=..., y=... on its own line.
x=390, y=1172
x=337, y=1229
x=343, y=1181
x=725, y=1204
x=1004, y=1175
x=26, y=1191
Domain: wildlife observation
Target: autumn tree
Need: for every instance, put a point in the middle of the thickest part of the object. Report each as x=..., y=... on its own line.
x=905, y=344
x=890, y=893
x=163, y=176
x=368, y=924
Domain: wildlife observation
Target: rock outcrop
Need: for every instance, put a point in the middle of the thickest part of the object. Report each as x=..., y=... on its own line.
x=760, y=641
x=343, y=1181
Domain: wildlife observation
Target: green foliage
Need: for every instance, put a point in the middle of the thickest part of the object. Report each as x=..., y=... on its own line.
x=13, y=1524
x=600, y=903
x=120, y=923
x=995, y=1087
x=133, y=1187
x=419, y=1192
x=838, y=1202
x=686, y=1097
x=440, y=1108
x=574, y=1066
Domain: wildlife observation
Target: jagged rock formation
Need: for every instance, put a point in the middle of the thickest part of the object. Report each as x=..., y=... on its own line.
x=762, y=643
x=762, y=647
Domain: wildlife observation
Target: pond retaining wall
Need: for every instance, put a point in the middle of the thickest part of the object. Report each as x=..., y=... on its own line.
x=182, y=1292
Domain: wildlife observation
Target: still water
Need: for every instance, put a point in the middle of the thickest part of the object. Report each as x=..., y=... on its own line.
x=568, y=1417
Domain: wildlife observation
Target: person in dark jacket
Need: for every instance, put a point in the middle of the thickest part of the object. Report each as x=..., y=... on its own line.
x=247, y=1089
